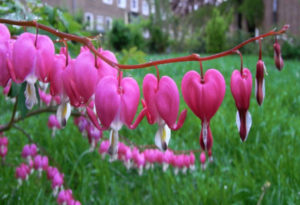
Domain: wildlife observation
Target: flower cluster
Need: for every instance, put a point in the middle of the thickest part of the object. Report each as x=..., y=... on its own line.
x=94, y=84
x=39, y=163
x=131, y=157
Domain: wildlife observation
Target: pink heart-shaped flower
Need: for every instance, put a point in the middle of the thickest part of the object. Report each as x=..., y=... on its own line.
x=162, y=100
x=117, y=104
x=205, y=98
x=241, y=88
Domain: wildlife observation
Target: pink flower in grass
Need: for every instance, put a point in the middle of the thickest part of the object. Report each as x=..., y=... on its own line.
x=22, y=173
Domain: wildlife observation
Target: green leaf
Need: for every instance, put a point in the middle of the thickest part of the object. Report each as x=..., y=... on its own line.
x=14, y=90
x=21, y=100
x=37, y=92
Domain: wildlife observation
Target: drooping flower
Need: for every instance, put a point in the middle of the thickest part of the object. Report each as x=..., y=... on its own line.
x=260, y=82
x=204, y=97
x=5, y=55
x=116, y=104
x=32, y=60
x=241, y=88
x=105, y=69
x=277, y=56
x=162, y=104
x=22, y=173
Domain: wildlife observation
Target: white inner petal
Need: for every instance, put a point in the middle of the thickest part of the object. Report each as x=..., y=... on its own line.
x=162, y=137
x=63, y=113
x=263, y=88
x=248, y=123
x=113, y=141
x=30, y=96
x=238, y=121
x=204, y=132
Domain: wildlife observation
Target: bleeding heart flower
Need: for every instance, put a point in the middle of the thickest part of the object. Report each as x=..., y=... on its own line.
x=22, y=173
x=32, y=59
x=116, y=104
x=241, y=87
x=162, y=103
x=85, y=76
x=277, y=56
x=103, y=68
x=204, y=97
x=5, y=55
x=260, y=82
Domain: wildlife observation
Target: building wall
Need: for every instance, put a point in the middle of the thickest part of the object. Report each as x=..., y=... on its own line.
x=95, y=10
x=288, y=12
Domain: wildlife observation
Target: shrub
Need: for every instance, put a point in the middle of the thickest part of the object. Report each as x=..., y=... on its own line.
x=124, y=36
x=291, y=48
x=215, y=29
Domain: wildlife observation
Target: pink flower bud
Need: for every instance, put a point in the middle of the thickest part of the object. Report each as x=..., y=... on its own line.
x=57, y=180
x=3, y=141
x=64, y=196
x=104, y=147
x=22, y=171
x=51, y=172
x=277, y=56
x=29, y=150
x=41, y=162
x=260, y=82
x=53, y=122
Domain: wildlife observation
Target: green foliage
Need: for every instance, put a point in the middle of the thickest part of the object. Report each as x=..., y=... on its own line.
x=215, y=30
x=158, y=41
x=123, y=36
x=253, y=11
x=131, y=56
x=45, y=14
x=291, y=48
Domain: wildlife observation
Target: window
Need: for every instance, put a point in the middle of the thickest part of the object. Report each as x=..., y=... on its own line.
x=145, y=8
x=152, y=6
x=122, y=4
x=89, y=20
x=108, y=2
x=108, y=22
x=100, y=23
x=134, y=5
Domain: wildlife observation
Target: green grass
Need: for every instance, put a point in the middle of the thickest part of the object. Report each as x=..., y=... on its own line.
x=271, y=153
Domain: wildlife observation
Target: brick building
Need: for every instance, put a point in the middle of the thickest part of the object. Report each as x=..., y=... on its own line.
x=279, y=12
x=100, y=13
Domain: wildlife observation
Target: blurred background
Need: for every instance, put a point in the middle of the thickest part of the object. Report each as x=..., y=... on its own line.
x=203, y=26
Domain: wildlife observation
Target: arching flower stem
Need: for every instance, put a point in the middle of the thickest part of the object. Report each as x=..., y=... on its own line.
x=193, y=57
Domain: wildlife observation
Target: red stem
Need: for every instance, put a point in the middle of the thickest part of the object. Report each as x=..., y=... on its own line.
x=201, y=72
x=67, y=51
x=157, y=75
x=241, y=56
x=192, y=57
x=259, y=57
x=37, y=33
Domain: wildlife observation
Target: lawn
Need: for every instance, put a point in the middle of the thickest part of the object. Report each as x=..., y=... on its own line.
x=239, y=171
